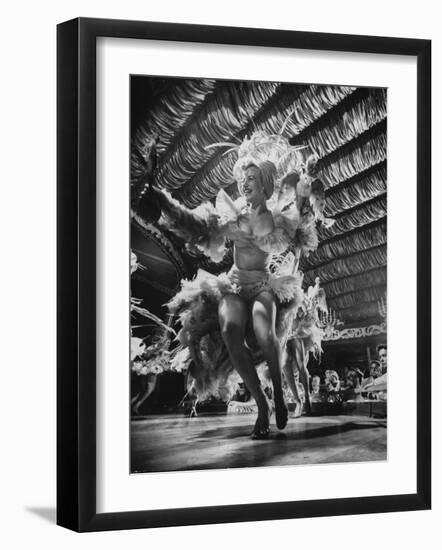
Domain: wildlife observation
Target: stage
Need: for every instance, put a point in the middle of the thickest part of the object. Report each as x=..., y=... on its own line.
x=174, y=442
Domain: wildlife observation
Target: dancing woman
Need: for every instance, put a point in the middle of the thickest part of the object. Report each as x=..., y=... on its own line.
x=252, y=251
x=256, y=300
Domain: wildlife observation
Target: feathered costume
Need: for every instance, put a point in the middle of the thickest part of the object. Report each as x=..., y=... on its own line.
x=154, y=358
x=295, y=198
x=306, y=323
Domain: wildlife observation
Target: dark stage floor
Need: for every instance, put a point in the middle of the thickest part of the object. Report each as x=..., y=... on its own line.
x=174, y=442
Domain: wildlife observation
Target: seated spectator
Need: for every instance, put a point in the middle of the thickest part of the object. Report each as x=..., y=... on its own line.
x=332, y=381
x=316, y=385
x=382, y=354
x=378, y=388
x=316, y=395
x=375, y=371
x=241, y=402
x=375, y=386
x=242, y=394
x=352, y=385
x=332, y=385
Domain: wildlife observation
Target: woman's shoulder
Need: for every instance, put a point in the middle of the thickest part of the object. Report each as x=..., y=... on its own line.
x=287, y=221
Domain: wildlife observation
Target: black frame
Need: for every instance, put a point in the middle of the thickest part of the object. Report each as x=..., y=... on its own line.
x=76, y=273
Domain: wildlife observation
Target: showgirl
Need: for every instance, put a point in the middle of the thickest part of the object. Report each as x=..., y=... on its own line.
x=254, y=319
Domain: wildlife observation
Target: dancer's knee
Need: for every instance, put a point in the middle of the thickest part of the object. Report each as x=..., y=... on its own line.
x=232, y=332
x=267, y=340
x=232, y=314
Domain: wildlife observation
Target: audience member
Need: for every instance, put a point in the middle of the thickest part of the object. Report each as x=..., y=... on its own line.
x=382, y=354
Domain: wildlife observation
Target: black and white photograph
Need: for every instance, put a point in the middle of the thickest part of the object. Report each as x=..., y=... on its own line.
x=258, y=261
x=222, y=252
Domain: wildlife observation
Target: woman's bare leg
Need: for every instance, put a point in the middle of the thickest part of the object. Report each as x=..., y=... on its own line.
x=302, y=359
x=290, y=366
x=151, y=384
x=233, y=317
x=132, y=401
x=264, y=319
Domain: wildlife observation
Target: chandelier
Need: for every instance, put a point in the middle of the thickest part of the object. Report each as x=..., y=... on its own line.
x=327, y=322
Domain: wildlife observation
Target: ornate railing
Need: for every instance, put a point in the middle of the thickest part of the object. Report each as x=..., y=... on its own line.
x=355, y=332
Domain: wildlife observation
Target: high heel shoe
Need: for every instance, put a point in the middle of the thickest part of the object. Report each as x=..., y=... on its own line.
x=260, y=433
x=282, y=415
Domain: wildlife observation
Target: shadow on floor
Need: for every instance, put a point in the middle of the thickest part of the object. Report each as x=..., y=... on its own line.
x=170, y=445
x=306, y=433
x=48, y=514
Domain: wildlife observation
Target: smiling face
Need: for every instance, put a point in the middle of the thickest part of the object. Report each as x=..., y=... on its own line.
x=252, y=187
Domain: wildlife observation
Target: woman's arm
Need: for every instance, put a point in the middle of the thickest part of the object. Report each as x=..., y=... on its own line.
x=201, y=229
x=181, y=220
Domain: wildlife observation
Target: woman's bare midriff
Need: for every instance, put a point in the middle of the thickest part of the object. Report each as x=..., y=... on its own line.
x=250, y=257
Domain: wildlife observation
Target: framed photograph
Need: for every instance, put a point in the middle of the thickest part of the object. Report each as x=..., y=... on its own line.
x=243, y=274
